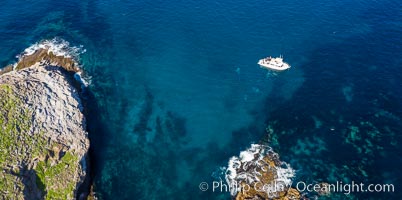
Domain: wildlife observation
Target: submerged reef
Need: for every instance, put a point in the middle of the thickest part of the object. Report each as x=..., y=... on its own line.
x=259, y=174
x=352, y=144
x=43, y=138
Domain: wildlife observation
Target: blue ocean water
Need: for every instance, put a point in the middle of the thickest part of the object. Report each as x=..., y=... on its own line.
x=176, y=91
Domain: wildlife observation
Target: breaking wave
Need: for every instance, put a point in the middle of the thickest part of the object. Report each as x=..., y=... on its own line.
x=57, y=46
x=247, y=167
x=60, y=47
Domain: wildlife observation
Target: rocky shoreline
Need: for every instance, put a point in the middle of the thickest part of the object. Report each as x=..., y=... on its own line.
x=43, y=139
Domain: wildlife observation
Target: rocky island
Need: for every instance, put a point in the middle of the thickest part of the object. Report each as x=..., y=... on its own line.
x=43, y=137
x=258, y=174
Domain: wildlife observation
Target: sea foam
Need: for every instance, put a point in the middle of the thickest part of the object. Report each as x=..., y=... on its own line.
x=245, y=168
x=60, y=47
x=57, y=46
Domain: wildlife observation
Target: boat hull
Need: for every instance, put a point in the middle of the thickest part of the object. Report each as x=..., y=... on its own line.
x=283, y=67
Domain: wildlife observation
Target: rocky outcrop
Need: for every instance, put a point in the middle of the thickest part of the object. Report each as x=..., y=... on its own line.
x=6, y=69
x=49, y=58
x=43, y=138
x=258, y=174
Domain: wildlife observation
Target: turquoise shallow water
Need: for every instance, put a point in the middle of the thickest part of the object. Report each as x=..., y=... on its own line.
x=176, y=90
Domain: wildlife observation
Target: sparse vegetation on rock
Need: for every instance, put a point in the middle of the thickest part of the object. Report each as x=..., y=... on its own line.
x=43, y=141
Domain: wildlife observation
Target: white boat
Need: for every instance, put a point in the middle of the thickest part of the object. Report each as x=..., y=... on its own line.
x=274, y=63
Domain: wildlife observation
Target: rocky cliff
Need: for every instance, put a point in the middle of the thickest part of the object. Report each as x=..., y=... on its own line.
x=43, y=138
